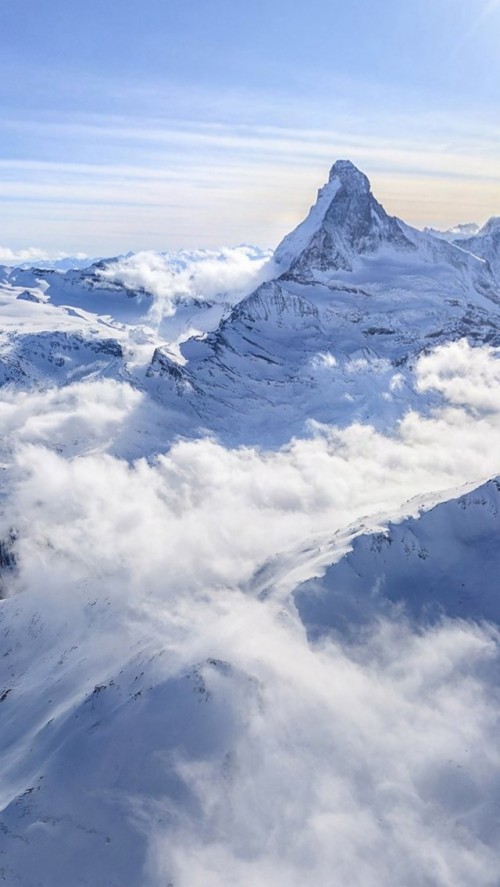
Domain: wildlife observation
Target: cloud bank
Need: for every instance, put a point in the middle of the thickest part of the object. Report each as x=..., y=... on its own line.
x=366, y=765
x=372, y=760
x=465, y=376
x=227, y=275
x=34, y=255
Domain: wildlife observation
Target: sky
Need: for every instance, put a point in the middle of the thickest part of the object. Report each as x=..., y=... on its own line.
x=171, y=124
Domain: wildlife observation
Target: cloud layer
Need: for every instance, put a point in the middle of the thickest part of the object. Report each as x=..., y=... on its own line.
x=368, y=761
x=369, y=765
x=33, y=255
x=227, y=275
x=465, y=376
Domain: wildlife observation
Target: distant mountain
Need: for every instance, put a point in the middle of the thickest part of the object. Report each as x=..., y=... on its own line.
x=457, y=233
x=481, y=242
x=65, y=264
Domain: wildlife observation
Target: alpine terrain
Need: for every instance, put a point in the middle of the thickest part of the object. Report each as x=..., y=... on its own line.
x=250, y=560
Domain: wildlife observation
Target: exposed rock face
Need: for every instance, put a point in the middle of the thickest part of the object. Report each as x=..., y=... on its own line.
x=7, y=556
x=8, y=560
x=345, y=222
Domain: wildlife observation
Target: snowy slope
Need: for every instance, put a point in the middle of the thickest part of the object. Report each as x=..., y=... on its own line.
x=486, y=244
x=444, y=562
x=138, y=302
x=249, y=562
x=334, y=338
x=118, y=719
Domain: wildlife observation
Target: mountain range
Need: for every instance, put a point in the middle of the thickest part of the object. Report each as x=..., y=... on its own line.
x=249, y=560
x=381, y=290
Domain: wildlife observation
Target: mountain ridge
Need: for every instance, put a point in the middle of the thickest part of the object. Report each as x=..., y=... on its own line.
x=350, y=286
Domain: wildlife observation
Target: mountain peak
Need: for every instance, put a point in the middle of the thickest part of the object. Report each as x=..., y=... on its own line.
x=345, y=223
x=349, y=175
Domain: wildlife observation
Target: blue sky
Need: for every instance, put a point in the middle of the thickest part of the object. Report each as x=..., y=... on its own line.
x=166, y=124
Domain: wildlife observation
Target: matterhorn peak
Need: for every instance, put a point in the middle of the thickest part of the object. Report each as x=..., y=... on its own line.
x=349, y=175
x=345, y=223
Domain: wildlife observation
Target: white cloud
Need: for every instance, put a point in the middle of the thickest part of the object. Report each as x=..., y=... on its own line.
x=84, y=416
x=366, y=765
x=368, y=762
x=324, y=360
x=32, y=255
x=9, y=256
x=464, y=375
x=225, y=275
x=227, y=510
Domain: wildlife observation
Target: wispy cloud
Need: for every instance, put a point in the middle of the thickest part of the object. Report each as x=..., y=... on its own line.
x=258, y=178
x=389, y=151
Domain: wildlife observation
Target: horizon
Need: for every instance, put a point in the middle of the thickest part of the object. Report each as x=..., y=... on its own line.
x=205, y=131
x=30, y=256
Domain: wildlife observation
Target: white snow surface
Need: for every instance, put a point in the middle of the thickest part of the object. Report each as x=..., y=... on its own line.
x=249, y=560
x=486, y=244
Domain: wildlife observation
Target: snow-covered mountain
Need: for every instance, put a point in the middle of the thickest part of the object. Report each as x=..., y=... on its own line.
x=441, y=563
x=486, y=244
x=124, y=307
x=29, y=258
x=347, y=230
x=68, y=263
x=345, y=223
x=483, y=242
x=457, y=233
x=249, y=522
x=134, y=736
x=361, y=295
x=357, y=295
